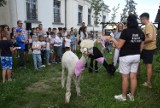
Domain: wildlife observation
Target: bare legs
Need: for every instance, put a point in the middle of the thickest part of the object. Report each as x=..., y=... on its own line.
x=8, y=73
x=133, y=83
x=125, y=83
x=149, y=72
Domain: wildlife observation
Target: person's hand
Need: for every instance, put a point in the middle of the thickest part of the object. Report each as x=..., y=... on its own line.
x=112, y=39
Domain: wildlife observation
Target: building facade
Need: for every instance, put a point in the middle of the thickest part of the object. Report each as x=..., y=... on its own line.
x=52, y=13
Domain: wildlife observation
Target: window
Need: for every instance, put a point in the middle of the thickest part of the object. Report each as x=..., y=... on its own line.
x=89, y=16
x=57, y=11
x=104, y=18
x=96, y=20
x=80, y=12
x=31, y=8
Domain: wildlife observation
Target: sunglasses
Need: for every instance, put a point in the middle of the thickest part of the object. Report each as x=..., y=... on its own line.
x=20, y=23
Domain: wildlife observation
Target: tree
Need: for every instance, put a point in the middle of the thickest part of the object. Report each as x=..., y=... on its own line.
x=2, y=3
x=114, y=10
x=130, y=8
x=97, y=5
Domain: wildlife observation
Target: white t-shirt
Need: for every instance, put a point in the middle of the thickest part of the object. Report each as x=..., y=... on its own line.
x=36, y=44
x=61, y=41
x=68, y=42
x=57, y=40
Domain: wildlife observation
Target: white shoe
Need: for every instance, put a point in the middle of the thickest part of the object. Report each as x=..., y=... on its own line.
x=43, y=66
x=120, y=98
x=131, y=98
x=117, y=70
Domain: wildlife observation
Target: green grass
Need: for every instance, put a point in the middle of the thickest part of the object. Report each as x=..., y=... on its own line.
x=42, y=89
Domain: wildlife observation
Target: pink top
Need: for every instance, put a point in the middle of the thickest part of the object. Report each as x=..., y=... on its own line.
x=79, y=68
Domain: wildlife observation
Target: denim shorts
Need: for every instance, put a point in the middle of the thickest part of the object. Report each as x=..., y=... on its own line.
x=6, y=63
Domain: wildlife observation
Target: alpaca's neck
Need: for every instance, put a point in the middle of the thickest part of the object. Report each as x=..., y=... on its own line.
x=83, y=59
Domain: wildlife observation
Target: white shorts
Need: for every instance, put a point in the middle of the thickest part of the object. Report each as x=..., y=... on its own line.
x=129, y=64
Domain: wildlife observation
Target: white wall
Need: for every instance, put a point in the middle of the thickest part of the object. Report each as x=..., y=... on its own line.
x=16, y=10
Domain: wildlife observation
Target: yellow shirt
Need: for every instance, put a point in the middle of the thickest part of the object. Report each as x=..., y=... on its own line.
x=150, y=30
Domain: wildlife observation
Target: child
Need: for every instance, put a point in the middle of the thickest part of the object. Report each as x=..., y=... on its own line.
x=21, y=43
x=6, y=58
x=36, y=46
x=67, y=42
x=48, y=49
x=43, y=48
x=52, y=48
x=73, y=42
x=61, y=45
x=56, y=43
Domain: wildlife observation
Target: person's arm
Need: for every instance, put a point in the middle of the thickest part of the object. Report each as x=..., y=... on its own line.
x=142, y=46
x=12, y=49
x=34, y=47
x=118, y=44
x=149, y=38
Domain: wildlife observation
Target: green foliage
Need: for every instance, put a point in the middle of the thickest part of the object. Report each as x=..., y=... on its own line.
x=158, y=40
x=3, y=2
x=114, y=12
x=97, y=6
x=130, y=8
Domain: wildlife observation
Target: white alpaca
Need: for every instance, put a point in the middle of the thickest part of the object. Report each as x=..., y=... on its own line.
x=71, y=62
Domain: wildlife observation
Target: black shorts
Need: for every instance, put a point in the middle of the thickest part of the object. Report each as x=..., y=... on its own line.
x=147, y=56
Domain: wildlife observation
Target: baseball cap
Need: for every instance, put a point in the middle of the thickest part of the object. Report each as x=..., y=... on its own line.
x=18, y=30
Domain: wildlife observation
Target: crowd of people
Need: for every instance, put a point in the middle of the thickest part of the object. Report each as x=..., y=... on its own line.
x=46, y=46
x=130, y=44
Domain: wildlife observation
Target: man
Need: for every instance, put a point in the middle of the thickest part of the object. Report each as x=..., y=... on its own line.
x=25, y=35
x=149, y=46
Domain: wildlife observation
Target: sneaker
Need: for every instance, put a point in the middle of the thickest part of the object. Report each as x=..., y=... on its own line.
x=117, y=70
x=54, y=62
x=120, y=98
x=43, y=66
x=147, y=84
x=131, y=98
x=49, y=64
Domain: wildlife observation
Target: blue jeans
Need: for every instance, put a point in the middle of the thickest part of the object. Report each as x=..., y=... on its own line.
x=47, y=56
x=37, y=60
x=60, y=51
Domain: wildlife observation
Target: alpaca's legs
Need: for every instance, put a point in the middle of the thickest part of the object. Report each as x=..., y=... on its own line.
x=63, y=77
x=68, y=88
x=77, y=84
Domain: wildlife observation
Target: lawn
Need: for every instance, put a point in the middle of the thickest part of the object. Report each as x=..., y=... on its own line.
x=42, y=89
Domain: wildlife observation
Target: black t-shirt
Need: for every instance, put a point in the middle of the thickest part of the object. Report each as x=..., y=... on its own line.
x=133, y=38
x=96, y=53
x=5, y=48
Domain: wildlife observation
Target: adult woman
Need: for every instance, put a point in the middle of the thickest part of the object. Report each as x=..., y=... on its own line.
x=83, y=33
x=131, y=44
x=116, y=35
